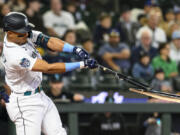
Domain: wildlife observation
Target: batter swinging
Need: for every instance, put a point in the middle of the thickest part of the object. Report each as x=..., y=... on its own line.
x=28, y=107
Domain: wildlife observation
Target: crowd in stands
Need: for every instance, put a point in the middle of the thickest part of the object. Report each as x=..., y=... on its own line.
x=143, y=43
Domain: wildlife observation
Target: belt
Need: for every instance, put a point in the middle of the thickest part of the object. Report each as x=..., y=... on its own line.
x=28, y=93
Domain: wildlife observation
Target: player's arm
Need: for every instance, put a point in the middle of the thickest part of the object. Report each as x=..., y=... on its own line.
x=43, y=66
x=59, y=45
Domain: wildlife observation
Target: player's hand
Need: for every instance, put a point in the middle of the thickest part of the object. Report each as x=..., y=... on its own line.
x=90, y=63
x=81, y=53
x=4, y=96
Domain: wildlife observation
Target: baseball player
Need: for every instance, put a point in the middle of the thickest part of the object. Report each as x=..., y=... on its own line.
x=28, y=107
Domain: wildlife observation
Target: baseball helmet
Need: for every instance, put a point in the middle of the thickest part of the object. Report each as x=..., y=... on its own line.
x=17, y=22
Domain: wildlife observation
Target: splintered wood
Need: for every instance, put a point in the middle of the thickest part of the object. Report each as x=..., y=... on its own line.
x=166, y=98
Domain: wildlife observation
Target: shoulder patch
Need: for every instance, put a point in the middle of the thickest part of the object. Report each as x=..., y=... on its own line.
x=25, y=62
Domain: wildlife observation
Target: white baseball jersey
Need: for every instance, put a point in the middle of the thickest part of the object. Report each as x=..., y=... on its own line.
x=34, y=113
x=18, y=61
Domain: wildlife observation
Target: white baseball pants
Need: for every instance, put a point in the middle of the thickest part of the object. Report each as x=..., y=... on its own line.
x=33, y=114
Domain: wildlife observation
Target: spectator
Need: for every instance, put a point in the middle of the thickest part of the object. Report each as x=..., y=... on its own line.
x=88, y=45
x=145, y=37
x=17, y=5
x=115, y=54
x=175, y=47
x=70, y=37
x=163, y=61
x=102, y=29
x=72, y=8
x=33, y=15
x=143, y=70
x=159, y=82
x=4, y=9
x=107, y=124
x=177, y=14
x=147, y=6
x=170, y=20
x=162, y=24
x=173, y=27
x=170, y=16
x=159, y=35
x=127, y=28
x=56, y=20
x=153, y=125
x=56, y=91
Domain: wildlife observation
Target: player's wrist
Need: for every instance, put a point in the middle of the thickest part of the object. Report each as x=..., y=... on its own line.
x=82, y=64
x=68, y=47
x=74, y=65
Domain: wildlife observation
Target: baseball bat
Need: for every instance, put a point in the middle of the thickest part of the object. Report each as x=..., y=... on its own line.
x=141, y=86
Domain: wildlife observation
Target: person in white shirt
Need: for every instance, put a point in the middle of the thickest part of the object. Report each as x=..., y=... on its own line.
x=159, y=36
x=28, y=106
x=175, y=46
x=56, y=20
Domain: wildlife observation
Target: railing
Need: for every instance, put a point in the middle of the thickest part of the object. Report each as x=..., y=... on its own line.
x=74, y=109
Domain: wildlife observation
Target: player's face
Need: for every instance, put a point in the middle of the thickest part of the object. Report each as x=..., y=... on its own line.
x=18, y=38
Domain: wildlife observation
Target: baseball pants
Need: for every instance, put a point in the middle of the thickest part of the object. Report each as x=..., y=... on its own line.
x=34, y=114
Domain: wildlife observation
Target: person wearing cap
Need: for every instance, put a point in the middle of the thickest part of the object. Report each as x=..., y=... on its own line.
x=114, y=53
x=57, y=92
x=175, y=46
x=28, y=106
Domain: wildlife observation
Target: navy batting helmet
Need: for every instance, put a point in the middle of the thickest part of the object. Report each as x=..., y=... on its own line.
x=17, y=22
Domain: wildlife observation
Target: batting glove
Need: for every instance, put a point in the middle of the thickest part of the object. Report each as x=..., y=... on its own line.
x=90, y=63
x=81, y=53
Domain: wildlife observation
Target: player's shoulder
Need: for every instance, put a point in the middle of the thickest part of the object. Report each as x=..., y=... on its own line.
x=13, y=51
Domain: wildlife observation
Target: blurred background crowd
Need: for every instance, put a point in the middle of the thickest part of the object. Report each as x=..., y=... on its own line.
x=139, y=38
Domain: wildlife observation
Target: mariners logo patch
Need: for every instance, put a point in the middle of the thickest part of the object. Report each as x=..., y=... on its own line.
x=25, y=63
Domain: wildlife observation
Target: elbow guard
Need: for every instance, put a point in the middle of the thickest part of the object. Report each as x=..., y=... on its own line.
x=42, y=40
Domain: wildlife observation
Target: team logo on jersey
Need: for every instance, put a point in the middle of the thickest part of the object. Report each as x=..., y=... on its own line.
x=34, y=55
x=25, y=63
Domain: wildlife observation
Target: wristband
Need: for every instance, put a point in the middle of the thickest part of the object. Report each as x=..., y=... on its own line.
x=68, y=48
x=74, y=65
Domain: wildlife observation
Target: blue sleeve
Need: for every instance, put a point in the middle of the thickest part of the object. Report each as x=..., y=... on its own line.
x=68, y=48
x=74, y=65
